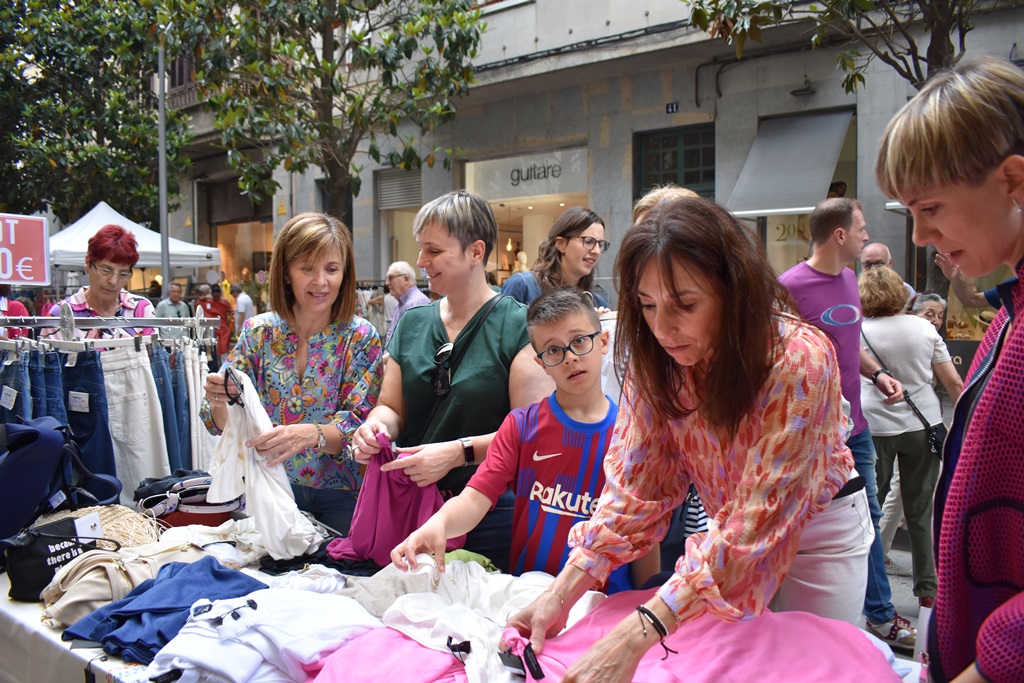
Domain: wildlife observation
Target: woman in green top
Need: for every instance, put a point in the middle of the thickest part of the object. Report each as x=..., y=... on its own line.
x=443, y=420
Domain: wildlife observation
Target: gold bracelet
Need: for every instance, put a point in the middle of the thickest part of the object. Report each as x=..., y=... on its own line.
x=557, y=595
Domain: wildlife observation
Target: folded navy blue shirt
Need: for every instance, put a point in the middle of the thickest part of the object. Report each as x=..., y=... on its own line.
x=138, y=625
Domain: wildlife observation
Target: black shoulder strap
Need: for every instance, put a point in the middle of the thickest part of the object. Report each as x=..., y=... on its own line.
x=458, y=357
x=906, y=395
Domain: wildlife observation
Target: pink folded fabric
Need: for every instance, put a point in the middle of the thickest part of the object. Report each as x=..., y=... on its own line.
x=774, y=647
x=389, y=508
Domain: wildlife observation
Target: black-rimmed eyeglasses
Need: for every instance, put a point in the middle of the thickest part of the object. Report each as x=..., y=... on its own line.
x=581, y=346
x=590, y=243
x=229, y=378
x=441, y=382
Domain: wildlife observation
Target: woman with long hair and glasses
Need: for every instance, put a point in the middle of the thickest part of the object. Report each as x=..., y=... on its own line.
x=457, y=366
x=567, y=257
x=315, y=363
x=727, y=389
x=954, y=156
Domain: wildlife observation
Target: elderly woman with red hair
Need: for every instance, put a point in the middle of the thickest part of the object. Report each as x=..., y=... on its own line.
x=112, y=253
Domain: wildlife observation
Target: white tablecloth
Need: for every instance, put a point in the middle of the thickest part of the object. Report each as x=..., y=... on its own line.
x=33, y=653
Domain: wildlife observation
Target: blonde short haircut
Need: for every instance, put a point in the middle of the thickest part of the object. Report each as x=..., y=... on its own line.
x=962, y=124
x=467, y=217
x=312, y=237
x=656, y=196
x=882, y=292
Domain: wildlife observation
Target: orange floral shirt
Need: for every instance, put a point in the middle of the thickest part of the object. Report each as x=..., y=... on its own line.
x=786, y=462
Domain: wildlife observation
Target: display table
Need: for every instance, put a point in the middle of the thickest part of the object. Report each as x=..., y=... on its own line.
x=31, y=652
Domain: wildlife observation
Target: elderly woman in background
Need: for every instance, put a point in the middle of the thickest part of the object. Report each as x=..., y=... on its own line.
x=725, y=388
x=910, y=348
x=315, y=364
x=567, y=257
x=931, y=307
x=109, y=259
x=442, y=417
x=954, y=156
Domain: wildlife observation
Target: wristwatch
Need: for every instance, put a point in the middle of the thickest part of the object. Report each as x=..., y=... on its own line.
x=321, y=440
x=467, y=449
x=879, y=371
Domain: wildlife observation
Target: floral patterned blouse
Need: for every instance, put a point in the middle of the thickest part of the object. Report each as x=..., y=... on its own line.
x=785, y=463
x=340, y=387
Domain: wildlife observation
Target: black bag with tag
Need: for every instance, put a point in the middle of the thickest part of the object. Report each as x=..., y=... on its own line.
x=41, y=471
x=35, y=555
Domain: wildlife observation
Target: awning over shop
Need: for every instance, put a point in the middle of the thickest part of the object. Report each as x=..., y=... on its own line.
x=790, y=165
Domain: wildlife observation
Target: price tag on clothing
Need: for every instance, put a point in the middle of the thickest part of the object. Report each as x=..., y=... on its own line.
x=8, y=398
x=9, y=360
x=78, y=401
x=72, y=359
x=89, y=526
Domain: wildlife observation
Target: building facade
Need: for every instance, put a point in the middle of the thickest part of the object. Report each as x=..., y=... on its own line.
x=590, y=102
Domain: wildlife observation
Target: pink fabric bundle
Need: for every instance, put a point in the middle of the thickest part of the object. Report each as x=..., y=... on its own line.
x=390, y=507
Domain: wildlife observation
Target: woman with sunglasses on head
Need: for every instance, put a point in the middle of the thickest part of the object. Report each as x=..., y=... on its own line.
x=315, y=364
x=727, y=389
x=567, y=257
x=109, y=259
x=954, y=156
x=444, y=417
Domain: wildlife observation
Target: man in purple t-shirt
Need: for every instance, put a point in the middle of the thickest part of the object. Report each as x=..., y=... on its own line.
x=825, y=292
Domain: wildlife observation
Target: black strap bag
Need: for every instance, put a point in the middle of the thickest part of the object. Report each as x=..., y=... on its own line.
x=41, y=470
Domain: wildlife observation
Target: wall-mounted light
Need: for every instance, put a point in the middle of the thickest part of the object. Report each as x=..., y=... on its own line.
x=561, y=203
x=280, y=209
x=529, y=208
x=804, y=91
x=508, y=247
x=188, y=220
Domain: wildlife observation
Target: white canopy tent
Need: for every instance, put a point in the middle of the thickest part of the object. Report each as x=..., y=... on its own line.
x=68, y=247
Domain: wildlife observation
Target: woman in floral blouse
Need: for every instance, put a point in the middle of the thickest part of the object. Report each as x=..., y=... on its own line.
x=315, y=363
x=727, y=390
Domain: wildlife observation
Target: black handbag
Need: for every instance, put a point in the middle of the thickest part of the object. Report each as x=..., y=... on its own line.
x=35, y=555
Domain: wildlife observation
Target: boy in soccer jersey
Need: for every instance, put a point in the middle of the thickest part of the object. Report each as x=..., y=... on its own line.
x=549, y=453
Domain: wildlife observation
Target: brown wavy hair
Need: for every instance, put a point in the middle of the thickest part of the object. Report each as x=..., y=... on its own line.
x=548, y=267
x=706, y=239
x=312, y=236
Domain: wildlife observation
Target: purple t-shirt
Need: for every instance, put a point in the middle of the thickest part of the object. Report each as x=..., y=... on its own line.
x=832, y=304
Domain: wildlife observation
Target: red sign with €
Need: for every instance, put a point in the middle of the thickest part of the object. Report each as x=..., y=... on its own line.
x=24, y=250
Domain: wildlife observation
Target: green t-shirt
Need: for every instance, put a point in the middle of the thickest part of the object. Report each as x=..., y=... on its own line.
x=478, y=400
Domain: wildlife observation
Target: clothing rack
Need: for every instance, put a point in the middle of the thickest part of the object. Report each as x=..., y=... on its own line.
x=67, y=323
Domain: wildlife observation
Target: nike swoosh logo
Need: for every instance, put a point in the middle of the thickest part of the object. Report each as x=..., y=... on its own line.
x=538, y=458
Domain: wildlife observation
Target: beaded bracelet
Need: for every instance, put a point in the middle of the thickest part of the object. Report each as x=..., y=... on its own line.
x=658, y=626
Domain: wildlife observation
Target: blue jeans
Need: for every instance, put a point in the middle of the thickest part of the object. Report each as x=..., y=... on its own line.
x=87, y=415
x=492, y=537
x=14, y=378
x=332, y=507
x=54, y=387
x=37, y=381
x=165, y=392
x=878, y=607
x=181, y=409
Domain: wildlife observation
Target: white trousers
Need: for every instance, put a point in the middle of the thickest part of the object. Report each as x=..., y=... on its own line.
x=829, y=575
x=136, y=419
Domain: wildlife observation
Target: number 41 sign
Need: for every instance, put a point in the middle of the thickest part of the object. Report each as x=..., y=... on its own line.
x=24, y=250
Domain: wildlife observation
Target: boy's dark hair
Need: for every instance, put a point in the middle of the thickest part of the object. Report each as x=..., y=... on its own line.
x=559, y=303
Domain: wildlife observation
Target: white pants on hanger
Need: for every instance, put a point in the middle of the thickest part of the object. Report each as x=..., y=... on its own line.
x=190, y=358
x=207, y=441
x=136, y=419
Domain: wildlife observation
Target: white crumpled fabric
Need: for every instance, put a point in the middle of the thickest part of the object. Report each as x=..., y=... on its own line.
x=236, y=469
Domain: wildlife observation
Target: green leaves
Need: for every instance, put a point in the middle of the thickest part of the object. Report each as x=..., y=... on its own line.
x=325, y=82
x=78, y=114
x=885, y=31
